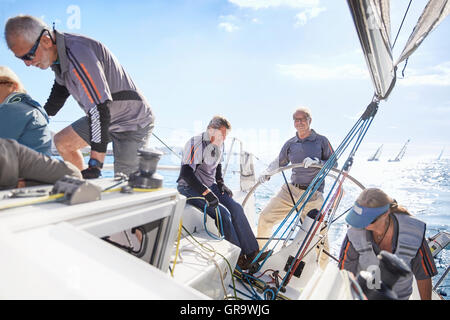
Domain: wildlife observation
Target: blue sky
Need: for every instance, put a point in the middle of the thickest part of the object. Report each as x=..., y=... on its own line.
x=254, y=61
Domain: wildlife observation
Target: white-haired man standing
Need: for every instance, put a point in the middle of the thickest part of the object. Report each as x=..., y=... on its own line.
x=307, y=147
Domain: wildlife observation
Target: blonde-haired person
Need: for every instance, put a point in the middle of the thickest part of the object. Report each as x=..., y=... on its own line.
x=22, y=118
x=378, y=223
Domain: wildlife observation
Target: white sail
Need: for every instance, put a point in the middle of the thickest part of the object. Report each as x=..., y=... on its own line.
x=376, y=155
x=433, y=14
x=440, y=155
x=372, y=22
x=401, y=153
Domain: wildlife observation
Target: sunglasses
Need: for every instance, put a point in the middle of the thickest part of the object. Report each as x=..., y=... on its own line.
x=301, y=119
x=377, y=218
x=32, y=53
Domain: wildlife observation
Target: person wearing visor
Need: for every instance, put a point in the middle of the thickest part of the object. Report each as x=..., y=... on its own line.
x=22, y=118
x=85, y=69
x=201, y=176
x=378, y=223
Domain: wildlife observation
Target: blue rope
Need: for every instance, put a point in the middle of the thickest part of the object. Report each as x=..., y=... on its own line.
x=219, y=222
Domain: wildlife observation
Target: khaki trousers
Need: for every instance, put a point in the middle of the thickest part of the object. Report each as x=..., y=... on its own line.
x=278, y=208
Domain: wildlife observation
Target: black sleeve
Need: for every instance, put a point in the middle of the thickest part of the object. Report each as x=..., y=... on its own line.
x=99, y=120
x=187, y=174
x=219, y=178
x=56, y=100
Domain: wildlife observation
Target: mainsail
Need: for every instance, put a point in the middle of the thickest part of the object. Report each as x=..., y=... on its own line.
x=433, y=14
x=372, y=22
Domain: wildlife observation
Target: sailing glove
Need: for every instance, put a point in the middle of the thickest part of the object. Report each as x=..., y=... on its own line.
x=308, y=162
x=263, y=178
x=224, y=189
x=211, y=200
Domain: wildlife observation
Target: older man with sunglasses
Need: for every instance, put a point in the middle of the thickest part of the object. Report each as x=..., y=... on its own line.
x=84, y=68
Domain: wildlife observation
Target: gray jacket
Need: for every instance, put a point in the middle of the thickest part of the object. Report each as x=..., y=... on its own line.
x=18, y=161
x=93, y=75
x=203, y=157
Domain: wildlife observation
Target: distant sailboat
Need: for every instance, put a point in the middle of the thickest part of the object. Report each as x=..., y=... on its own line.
x=376, y=155
x=400, y=154
x=440, y=155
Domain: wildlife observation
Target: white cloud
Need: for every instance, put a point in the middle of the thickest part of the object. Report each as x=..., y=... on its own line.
x=228, y=23
x=307, y=14
x=228, y=26
x=264, y=4
x=316, y=72
x=433, y=76
x=310, y=8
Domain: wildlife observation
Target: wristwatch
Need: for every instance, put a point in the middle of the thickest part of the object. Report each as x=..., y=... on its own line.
x=94, y=163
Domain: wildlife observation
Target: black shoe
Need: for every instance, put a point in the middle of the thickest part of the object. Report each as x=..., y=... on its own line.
x=253, y=255
x=243, y=262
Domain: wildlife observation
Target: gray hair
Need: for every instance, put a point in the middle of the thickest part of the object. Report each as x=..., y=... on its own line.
x=25, y=26
x=305, y=110
x=6, y=74
x=218, y=122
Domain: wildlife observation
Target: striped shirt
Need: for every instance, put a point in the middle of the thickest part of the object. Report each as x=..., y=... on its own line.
x=203, y=157
x=93, y=75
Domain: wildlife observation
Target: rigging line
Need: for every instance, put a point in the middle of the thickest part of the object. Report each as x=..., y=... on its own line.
x=404, y=67
x=166, y=145
x=289, y=189
x=204, y=247
x=403, y=20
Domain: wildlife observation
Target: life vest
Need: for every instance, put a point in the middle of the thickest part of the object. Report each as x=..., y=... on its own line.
x=410, y=236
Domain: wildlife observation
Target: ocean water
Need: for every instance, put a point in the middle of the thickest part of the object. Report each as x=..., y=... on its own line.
x=422, y=186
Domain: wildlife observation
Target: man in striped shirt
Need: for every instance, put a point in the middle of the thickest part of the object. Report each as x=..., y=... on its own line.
x=85, y=69
x=201, y=182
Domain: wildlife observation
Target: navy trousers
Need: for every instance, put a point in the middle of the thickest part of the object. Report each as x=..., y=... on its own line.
x=236, y=228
